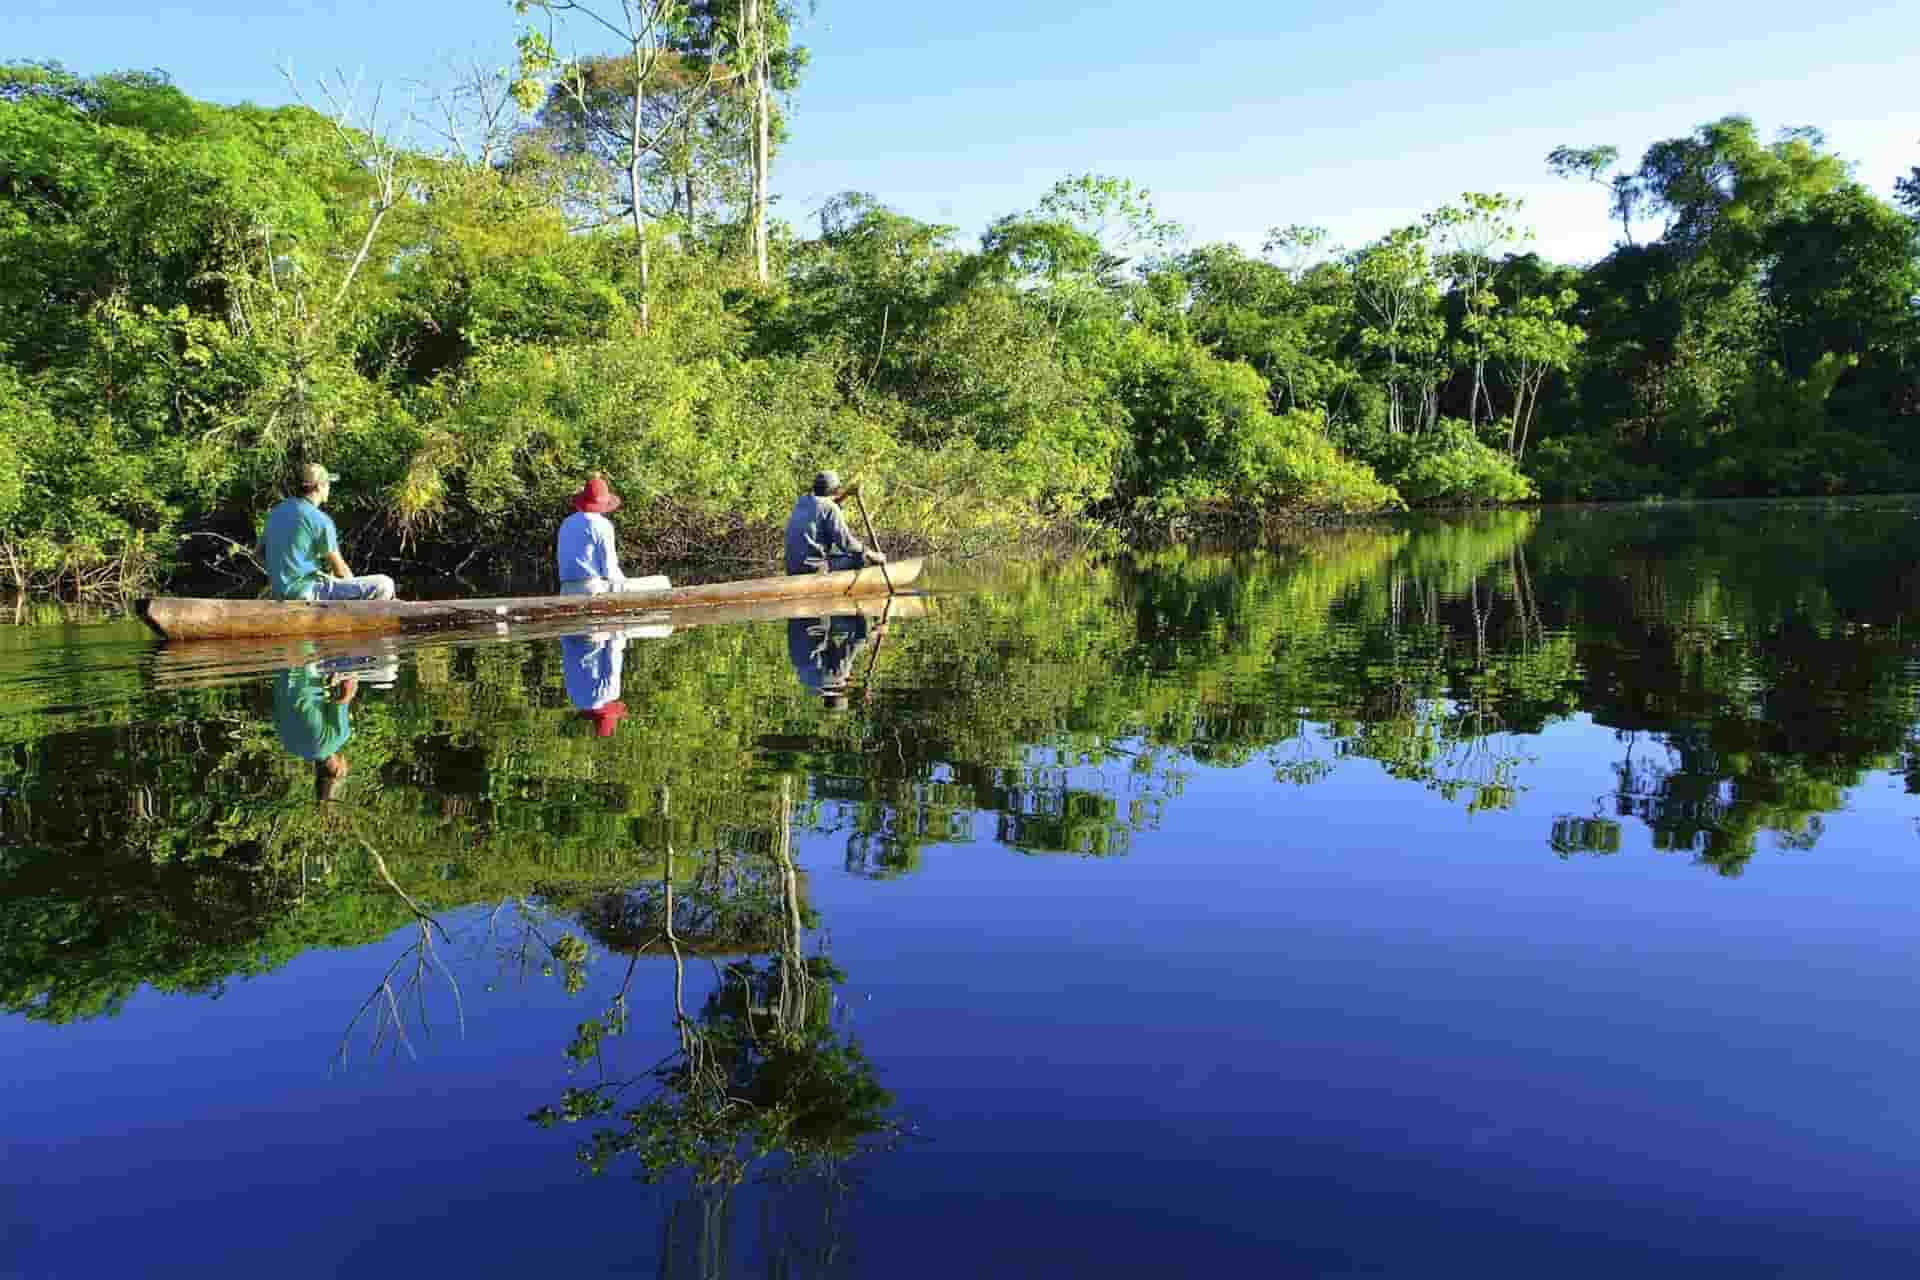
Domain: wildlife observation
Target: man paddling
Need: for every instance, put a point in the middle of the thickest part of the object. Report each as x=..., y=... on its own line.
x=818, y=536
x=301, y=548
x=589, y=564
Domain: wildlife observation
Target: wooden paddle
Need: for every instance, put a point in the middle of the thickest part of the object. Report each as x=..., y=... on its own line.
x=852, y=489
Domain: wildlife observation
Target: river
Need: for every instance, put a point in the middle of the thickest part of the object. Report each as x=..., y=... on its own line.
x=1520, y=892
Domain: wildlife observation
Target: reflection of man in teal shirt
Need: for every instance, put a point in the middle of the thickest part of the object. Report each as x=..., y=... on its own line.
x=310, y=715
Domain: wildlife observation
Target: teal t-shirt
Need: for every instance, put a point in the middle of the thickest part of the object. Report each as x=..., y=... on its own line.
x=310, y=723
x=298, y=534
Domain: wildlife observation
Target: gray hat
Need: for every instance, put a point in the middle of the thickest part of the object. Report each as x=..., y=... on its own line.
x=826, y=482
x=312, y=475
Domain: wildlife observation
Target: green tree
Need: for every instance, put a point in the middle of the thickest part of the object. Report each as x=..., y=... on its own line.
x=1533, y=341
x=1398, y=294
x=1592, y=164
x=1472, y=235
x=605, y=107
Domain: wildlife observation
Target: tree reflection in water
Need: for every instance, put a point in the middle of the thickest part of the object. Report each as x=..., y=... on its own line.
x=763, y=1074
x=1754, y=666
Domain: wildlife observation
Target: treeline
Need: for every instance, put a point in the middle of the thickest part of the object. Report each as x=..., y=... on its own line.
x=581, y=272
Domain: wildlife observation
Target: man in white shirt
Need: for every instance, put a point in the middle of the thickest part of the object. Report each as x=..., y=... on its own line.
x=589, y=565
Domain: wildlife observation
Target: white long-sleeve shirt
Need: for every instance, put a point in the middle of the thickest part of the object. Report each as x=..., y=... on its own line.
x=584, y=548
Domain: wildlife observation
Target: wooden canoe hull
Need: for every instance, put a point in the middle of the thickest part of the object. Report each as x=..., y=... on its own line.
x=185, y=618
x=218, y=661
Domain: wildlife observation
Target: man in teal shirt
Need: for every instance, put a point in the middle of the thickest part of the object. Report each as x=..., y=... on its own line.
x=301, y=548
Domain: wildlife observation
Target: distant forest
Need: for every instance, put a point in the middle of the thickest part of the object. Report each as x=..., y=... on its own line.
x=567, y=265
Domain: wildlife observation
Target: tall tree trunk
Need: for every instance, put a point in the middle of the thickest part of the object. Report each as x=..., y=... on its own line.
x=633, y=191
x=1519, y=407
x=1394, y=422
x=686, y=140
x=1482, y=392
x=756, y=24
x=760, y=177
x=1538, y=379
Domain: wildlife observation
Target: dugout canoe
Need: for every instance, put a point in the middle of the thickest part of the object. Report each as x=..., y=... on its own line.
x=208, y=662
x=186, y=618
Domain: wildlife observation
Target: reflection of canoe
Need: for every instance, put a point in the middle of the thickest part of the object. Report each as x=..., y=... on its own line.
x=180, y=618
x=213, y=662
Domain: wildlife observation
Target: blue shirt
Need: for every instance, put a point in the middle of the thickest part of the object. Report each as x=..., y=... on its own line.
x=584, y=548
x=590, y=665
x=816, y=529
x=298, y=536
x=310, y=723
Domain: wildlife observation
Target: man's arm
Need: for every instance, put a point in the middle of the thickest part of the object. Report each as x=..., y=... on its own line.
x=843, y=533
x=603, y=538
x=336, y=565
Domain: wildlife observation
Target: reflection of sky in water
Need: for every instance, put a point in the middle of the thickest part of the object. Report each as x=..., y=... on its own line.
x=1317, y=1021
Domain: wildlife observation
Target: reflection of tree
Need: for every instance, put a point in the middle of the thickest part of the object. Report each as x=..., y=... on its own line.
x=1453, y=752
x=717, y=903
x=761, y=1069
x=388, y=1008
x=160, y=836
x=1700, y=801
x=1573, y=835
x=1064, y=820
x=1752, y=691
x=888, y=838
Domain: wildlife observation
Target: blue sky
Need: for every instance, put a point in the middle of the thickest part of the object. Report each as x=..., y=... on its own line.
x=1356, y=117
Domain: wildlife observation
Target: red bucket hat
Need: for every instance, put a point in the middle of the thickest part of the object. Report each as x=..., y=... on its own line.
x=596, y=496
x=605, y=719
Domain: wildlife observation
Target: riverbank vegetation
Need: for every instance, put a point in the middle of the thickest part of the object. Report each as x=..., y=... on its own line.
x=569, y=265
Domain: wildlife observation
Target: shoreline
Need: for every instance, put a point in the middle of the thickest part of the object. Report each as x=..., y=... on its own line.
x=499, y=570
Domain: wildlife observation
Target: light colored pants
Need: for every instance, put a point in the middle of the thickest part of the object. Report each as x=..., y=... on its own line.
x=368, y=586
x=835, y=564
x=601, y=586
x=378, y=671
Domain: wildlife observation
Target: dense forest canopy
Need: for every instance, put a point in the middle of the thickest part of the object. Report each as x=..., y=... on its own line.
x=570, y=265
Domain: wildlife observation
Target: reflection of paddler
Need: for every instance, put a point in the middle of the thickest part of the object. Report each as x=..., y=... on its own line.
x=590, y=664
x=822, y=651
x=310, y=716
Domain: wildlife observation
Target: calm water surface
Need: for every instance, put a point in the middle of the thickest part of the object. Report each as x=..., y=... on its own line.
x=1523, y=894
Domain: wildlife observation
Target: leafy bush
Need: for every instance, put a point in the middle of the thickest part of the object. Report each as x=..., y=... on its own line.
x=75, y=496
x=1583, y=469
x=1829, y=462
x=1448, y=466
x=1203, y=436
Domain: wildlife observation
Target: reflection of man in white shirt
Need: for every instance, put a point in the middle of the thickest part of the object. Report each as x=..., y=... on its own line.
x=589, y=565
x=590, y=666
